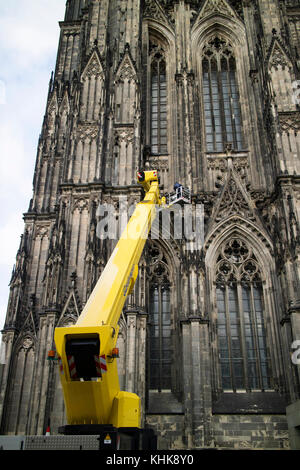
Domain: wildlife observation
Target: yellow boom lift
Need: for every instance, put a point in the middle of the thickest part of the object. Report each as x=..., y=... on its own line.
x=87, y=351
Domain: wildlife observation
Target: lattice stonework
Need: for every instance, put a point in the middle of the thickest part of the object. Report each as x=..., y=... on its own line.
x=290, y=122
x=237, y=263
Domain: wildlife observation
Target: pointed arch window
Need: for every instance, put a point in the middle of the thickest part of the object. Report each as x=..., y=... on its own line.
x=221, y=97
x=158, y=101
x=244, y=361
x=159, y=307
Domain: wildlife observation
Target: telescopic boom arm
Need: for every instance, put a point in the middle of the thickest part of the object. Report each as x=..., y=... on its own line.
x=86, y=351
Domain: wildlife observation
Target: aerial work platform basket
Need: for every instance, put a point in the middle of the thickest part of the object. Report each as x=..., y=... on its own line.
x=180, y=195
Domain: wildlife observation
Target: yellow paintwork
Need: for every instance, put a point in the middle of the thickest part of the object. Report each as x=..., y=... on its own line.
x=101, y=401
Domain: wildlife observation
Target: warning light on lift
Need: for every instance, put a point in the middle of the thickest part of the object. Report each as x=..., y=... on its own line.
x=141, y=176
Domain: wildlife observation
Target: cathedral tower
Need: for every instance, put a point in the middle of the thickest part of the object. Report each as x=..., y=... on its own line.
x=204, y=91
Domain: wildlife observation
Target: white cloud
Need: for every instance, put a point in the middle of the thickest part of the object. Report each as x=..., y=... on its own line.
x=29, y=35
x=10, y=234
x=27, y=30
x=13, y=161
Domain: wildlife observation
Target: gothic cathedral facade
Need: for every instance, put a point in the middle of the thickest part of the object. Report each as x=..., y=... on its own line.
x=204, y=91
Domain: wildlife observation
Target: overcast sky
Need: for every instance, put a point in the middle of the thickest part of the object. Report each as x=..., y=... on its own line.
x=29, y=35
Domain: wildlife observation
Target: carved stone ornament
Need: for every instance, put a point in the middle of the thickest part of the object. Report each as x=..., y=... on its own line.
x=93, y=68
x=70, y=29
x=41, y=231
x=157, y=267
x=217, y=163
x=233, y=202
x=52, y=107
x=156, y=50
x=237, y=263
x=65, y=104
x=126, y=70
x=292, y=3
x=159, y=163
x=290, y=121
x=27, y=343
x=125, y=135
x=216, y=6
x=87, y=131
x=153, y=10
x=278, y=58
x=81, y=204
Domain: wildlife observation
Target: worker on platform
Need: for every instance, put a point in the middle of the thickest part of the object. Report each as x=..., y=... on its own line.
x=177, y=186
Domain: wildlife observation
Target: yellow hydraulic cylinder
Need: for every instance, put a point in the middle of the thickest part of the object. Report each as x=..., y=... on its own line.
x=88, y=369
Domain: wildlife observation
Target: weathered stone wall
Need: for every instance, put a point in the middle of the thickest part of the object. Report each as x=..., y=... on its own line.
x=96, y=134
x=268, y=432
x=250, y=432
x=169, y=430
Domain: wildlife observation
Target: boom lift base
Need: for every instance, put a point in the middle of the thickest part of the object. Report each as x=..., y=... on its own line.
x=112, y=438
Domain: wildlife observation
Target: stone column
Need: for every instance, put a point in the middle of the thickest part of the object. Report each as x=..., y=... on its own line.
x=7, y=340
x=141, y=352
x=196, y=382
x=130, y=381
x=187, y=379
x=135, y=364
x=36, y=419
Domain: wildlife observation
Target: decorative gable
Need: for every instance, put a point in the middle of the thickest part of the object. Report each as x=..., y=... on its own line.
x=72, y=305
x=235, y=209
x=52, y=112
x=93, y=67
x=153, y=10
x=92, y=78
x=65, y=103
x=234, y=200
x=126, y=68
x=277, y=55
x=71, y=310
x=211, y=7
x=29, y=326
x=282, y=75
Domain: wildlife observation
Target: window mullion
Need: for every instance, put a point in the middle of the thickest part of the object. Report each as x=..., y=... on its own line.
x=256, y=342
x=229, y=337
x=160, y=338
x=149, y=103
x=158, y=105
x=232, y=115
x=221, y=102
x=154, y=84
x=270, y=379
x=213, y=124
x=242, y=336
